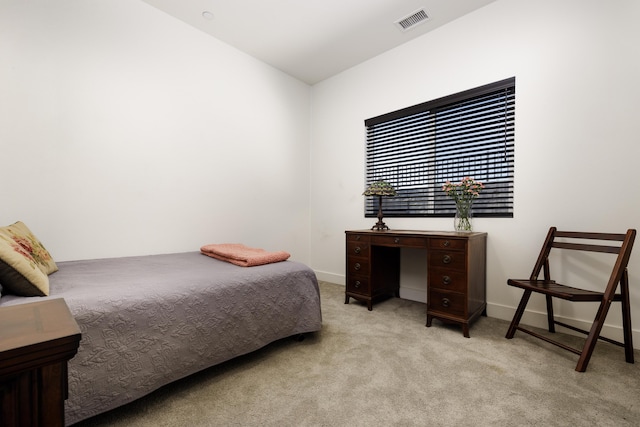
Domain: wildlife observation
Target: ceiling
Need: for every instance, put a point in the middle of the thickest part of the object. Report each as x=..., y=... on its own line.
x=314, y=39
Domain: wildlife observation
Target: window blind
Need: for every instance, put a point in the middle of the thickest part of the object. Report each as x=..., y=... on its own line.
x=418, y=148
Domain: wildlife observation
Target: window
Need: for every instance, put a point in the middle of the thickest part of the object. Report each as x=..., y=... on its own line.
x=418, y=148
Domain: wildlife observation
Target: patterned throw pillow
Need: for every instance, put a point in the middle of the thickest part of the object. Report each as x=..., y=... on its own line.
x=24, y=262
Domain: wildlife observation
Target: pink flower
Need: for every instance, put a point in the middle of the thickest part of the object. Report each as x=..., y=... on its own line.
x=463, y=192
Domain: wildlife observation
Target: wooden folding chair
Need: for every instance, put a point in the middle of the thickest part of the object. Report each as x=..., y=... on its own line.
x=590, y=242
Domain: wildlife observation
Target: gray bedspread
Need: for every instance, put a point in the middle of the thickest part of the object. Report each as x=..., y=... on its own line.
x=147, y=321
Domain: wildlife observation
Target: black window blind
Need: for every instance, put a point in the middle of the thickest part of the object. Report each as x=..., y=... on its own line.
x=418, y=148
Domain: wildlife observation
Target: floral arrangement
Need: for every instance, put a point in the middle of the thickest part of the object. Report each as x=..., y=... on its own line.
x=463, y=194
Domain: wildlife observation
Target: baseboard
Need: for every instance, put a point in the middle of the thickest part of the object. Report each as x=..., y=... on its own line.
x=413, y=294
x=338, y=279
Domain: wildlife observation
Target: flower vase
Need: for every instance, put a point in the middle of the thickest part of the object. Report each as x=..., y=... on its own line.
x=463, y=219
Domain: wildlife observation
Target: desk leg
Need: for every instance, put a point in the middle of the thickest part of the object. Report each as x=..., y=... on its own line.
x=465, y=326
x=465, y=330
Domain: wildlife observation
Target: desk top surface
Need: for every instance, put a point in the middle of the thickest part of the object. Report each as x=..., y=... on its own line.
x=420, y=233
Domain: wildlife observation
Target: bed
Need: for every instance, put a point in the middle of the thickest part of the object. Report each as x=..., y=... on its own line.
x=147, y=321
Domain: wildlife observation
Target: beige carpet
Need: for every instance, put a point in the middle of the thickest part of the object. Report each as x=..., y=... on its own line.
x=385, y=368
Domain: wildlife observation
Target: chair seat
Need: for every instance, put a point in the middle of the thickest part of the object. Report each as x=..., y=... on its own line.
x=550, y=287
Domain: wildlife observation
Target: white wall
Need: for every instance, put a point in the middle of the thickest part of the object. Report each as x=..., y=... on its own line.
x=576, y=65
x=124, y=131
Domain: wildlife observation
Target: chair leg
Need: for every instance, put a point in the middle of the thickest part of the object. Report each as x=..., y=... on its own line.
x=550, y=319
x=626, y=318
x=592, y=338
x=518, y=315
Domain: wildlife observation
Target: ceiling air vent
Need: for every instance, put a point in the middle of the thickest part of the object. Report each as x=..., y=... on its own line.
x=410, y=21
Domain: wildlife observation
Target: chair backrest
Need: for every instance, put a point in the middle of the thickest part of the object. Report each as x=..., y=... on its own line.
x=586, y=241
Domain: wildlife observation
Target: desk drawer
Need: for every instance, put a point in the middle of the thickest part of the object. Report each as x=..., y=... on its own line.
x=444, y=243
x=358, y=238
x=451, y=303
x=447, y=259
x=358, y=285
x=451, y=280
x=405, y=242
x=359, y=249
x=357, y=266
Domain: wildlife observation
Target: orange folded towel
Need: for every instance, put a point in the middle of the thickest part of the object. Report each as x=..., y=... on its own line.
x=244, y=256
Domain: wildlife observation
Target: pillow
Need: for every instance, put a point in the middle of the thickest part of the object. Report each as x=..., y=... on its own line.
x=24, y=262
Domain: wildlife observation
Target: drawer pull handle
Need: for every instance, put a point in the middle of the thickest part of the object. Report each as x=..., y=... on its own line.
x=446, y=259
x=357, y=237
x=445, y=302
x=357, y=249
x=357, y=266
x=446, y=243
x=396, y=240
x=357, y=284
x=446, y=280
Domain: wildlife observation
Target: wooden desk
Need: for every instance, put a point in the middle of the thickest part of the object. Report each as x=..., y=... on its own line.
x=36, y=341
x=456, y=270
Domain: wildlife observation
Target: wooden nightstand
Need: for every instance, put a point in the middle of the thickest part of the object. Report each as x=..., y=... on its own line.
x=36, y=341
